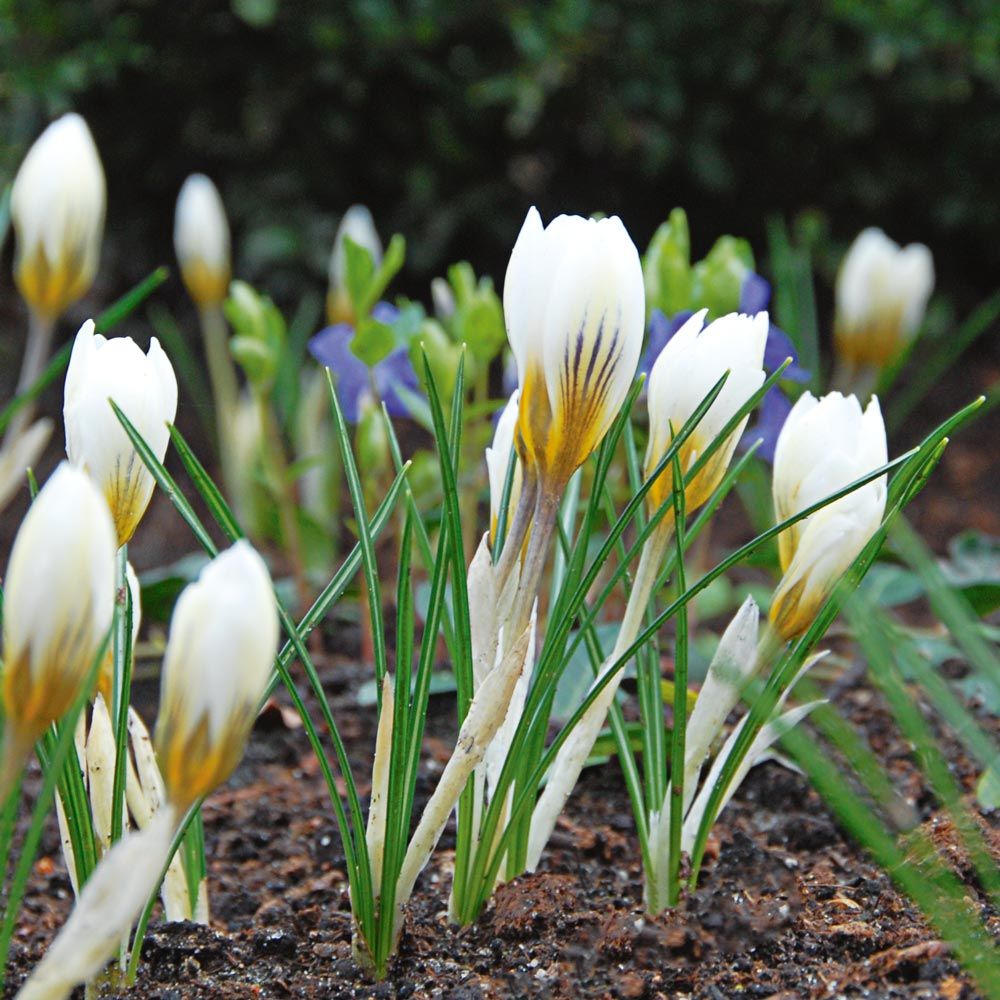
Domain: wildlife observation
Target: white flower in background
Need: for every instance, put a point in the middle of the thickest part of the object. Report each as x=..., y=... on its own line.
x=687, y=368
x=359, y=227
x=57, y=207
x=58, y=605
x=574, y=305
x=223, y=638
x=145, y=388
x=21, y=454
x=882, y=292
x=825, y=445
x=201, y=240
x=498, y=458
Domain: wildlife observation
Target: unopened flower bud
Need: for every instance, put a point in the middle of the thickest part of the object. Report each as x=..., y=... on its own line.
x=201, y=241
x=57, y=206
x=825, y=445
x=575, y=312
x=221, y=647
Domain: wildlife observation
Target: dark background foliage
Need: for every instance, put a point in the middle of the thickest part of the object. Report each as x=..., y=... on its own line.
x=450, y=118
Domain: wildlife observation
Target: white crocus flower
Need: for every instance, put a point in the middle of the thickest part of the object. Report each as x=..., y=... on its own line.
x=57, y=206
x=825, y=445
x=692, y=362
x=145, y=388
x=58, y=605
x=498, y=458
x=359, y=227
x=575, y=311
x=222, y=642
x=201, y=241
x=882, y=293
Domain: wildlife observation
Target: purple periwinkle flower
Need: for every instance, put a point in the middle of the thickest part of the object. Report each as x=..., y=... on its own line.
x=391, y=381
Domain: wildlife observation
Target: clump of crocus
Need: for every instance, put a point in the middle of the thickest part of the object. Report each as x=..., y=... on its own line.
x=882, y=292
x=144, y=387
x=58, y=605
x=574, y=308
x=220, y=650
x=825, y=445
x=687, y=369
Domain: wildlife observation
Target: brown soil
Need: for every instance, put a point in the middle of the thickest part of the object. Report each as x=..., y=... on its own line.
x=787, y=907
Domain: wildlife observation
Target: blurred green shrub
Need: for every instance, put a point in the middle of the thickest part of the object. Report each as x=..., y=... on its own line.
x=448, y=118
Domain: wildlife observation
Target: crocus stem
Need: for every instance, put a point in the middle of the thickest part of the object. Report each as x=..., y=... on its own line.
x=574, y=752
x=281, y=488
x=221, y=369
x=13, y=754
x=485, y=716
x=542, y=526
x=225, y=390
x=517, y=531
x=121, y=684
x=36, y=354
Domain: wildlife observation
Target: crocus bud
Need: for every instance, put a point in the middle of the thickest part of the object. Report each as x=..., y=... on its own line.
x=690, y=364
x=57, y=207
x=58, y=604
x=575, y=311
x=882, y=293
x=359, y=227
x=498, y=458
x=219, y=654
x=825, y=445
x=144, y=387
x=201, y=241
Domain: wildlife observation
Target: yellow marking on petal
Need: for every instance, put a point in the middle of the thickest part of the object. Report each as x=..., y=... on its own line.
x=701, y=486
x=192, y=761
x=50, y=287
x=789, y=615
x=876, y=343
x=122, y=490
x=207, y=285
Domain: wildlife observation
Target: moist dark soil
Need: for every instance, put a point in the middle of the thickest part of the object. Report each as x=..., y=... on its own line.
x=787, y=905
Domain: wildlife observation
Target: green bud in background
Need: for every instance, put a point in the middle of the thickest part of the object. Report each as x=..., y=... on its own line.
x=718, y=279
x=478, y=319
x=666, y=266
x=366, y=279
x=443, y=356
x=259, y=334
